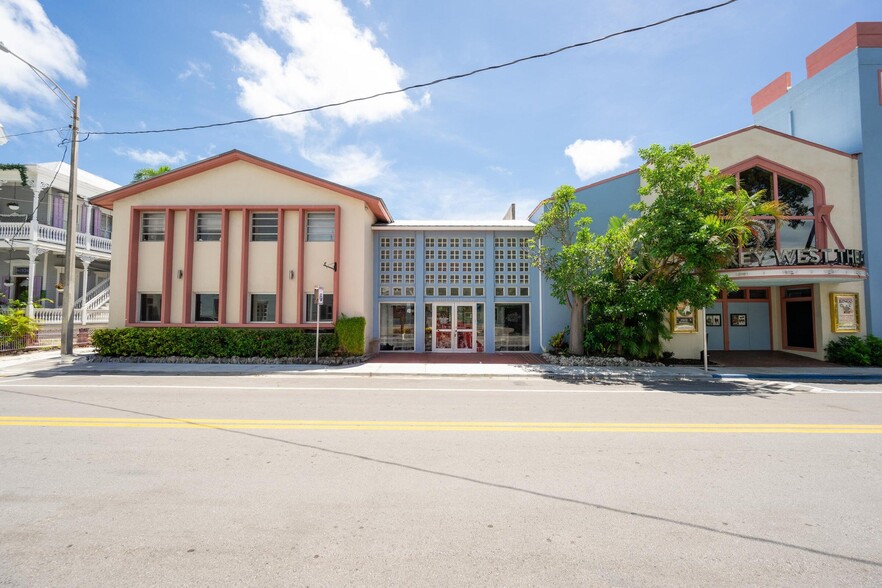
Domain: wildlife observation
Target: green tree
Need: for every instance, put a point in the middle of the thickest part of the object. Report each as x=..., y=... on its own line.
x=692, y=222
x=619, y=286
x=564, y=251
x=149, y=172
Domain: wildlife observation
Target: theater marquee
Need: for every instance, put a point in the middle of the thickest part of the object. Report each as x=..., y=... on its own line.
x=800, y=257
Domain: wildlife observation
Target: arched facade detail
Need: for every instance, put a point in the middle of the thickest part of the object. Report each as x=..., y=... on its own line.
x=819, y=212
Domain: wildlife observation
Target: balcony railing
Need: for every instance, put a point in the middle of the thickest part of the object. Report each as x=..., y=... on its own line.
x=52, y=316
x=53, y=235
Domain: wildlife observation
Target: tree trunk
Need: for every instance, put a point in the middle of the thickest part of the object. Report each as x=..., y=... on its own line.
x=577, y=327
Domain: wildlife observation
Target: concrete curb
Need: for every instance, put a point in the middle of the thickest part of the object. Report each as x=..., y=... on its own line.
x=79, y=365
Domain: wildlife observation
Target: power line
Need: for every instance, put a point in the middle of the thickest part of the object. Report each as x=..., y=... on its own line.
x=425, y=84
x=31, y=133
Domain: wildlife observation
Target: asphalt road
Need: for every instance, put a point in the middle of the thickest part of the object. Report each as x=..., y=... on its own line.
x=320, y=481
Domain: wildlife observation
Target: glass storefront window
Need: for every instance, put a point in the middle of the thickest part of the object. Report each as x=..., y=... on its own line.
x=397, y=327
x=512, y=322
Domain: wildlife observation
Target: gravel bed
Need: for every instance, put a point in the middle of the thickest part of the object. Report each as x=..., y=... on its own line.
x=576, y=360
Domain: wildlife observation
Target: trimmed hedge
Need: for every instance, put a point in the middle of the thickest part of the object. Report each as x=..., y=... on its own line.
x=350, y=334
x=853, y=350
x=210, y=342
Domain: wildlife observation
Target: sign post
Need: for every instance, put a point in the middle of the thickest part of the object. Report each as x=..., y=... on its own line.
x=319, y=295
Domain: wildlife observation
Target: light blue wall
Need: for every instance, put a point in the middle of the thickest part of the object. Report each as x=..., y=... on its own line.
x=603, y=201
x=489, y=299
x=839, y=107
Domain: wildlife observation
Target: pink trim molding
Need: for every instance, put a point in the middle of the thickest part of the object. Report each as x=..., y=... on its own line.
x=774, y=90
x=860, y=34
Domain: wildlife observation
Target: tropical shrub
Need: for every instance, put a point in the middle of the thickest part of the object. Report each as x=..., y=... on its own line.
x=350, y=334
x=211, y=342
x=854, y=350
x=15, y=324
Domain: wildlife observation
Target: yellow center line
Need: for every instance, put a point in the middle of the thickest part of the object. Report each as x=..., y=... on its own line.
x=473, y=426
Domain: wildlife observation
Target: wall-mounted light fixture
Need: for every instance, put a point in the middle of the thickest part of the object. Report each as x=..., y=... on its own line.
x=180, y=274
x=331, y=266
x=12, y=205
x=291, y=274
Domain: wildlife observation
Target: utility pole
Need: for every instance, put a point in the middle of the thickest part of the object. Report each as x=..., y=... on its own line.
x=70, y=244
x=70, y=264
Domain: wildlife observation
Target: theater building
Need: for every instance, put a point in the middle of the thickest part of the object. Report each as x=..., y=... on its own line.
x=817, y=148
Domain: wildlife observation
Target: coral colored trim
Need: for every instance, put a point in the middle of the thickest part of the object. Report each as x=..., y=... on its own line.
x=724, y=304
x=860, y=34
x=280, y=254
x=819, y=200
x=106, y=200
x=774, y=90
x=132, y=278
x=779, y=134
x=224, y=262
x=338, y=237
x=784, y=342
x=243, y=282
x=299, y=283
x=586, y=187
x=188, y=267
x=167, y=260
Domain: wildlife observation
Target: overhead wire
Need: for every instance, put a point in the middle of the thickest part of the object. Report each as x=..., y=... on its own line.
x=424, y=84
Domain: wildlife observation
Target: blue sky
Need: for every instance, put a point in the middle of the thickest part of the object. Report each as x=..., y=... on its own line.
x=463, y=149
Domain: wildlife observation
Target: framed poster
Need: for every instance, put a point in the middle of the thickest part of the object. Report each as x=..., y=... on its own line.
x=738, y=320
x=845, y=313
x=683, y=319
x=713, y=320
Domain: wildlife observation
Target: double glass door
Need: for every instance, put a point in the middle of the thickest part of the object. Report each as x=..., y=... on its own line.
x=453, y=327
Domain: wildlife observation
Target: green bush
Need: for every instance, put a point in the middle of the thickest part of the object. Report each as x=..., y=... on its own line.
x=210, y=342
x=874, y=344
x=852, y=350
x=350, y=333
x=15, y=324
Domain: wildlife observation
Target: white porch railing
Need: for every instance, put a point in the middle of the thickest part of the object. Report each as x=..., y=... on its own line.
x=98, y=301
x=93, y=293
x=53, y=235
x=52, y=316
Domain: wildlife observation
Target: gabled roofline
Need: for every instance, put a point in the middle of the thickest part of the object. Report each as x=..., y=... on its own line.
x=713, y=140
x=106, y=200
x=779, y=134
x=586, y=187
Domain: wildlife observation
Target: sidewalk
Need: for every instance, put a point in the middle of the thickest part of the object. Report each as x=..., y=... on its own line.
x=52, y=361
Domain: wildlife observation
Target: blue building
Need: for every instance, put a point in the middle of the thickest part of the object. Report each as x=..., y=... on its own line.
x=839, y=105
x=816, y=148
x=455, y=286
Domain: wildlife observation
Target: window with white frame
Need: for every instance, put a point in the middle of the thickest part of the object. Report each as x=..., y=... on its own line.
x=205, y=308
x=208, y=226
x=263, y=308
x=264, y=226
x=149, y=307
x=320, y=226
x=152, y=226
x=326, y=310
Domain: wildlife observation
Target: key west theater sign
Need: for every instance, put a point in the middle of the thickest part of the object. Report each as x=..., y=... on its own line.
x=800, y=257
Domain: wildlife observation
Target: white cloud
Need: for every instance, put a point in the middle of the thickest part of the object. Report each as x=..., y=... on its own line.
x=593, y=157
x=326, y=58
x=350, y=165
x=329, y=59
x=151, y=157
x=26, y=30
x=196, y=69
